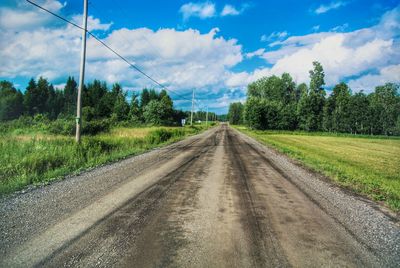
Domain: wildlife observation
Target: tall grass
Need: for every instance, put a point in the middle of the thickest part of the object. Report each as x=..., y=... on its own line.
x=39, y=157
x=367, y=165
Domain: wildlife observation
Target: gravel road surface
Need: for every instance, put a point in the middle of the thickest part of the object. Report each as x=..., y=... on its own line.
x=218, y=199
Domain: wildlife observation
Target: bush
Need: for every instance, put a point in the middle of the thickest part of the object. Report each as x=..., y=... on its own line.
x=262, y=113
x=159, y=135
x=68, y=127
x=62, y=127
x=96, y=126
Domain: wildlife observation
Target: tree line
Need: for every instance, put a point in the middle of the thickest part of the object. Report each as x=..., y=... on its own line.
x=98, y=102
x=278, y=103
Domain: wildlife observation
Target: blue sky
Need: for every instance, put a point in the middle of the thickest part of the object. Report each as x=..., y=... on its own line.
x=214, y=47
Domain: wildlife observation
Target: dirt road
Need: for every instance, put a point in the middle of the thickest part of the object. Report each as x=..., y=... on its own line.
x=218, y=199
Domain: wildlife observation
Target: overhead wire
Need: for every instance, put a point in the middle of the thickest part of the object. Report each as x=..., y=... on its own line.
x=108, y=47
x=153, y=49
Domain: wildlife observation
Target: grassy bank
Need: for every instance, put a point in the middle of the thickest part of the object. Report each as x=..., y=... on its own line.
x=367, y=165
x=32, y=156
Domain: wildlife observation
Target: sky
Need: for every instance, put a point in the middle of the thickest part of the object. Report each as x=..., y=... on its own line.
x=215, y=48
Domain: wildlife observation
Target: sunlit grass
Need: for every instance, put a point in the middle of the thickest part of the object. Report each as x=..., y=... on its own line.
x=38, y=157
x=369, y=166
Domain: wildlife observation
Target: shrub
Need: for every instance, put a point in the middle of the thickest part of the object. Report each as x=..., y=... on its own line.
x=159, y=136
x=96, y=126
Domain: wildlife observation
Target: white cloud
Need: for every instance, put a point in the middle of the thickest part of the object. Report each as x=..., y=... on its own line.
x=225, y=100
x=207, y=9
x=192, y=59
x=229, y=10
x=24, y=17
x=342, y=55
x=180, y=59
x=258, y=52
x=93, y=24
x=368, y=82
x=315, y=28
x=274, y=36
x=333, y=5
x=201, y=10
x=340, y=28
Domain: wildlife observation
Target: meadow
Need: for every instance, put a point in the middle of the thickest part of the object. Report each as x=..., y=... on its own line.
x=369, y=165
x=35, y=155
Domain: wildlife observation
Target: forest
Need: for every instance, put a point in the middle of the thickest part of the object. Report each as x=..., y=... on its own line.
x=277, y=103
x=101, y=106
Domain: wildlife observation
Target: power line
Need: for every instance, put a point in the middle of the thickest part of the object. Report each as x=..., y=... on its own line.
x=108, y=47
x=154, y=50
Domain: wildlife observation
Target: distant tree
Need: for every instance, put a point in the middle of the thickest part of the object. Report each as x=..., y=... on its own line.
x=159, y=110
x=117, y=102
x=168, y=107
x=11, y=102
x=153, y=113
x=36, y=96
x=384, y=108
x=43, y=92
x=100, y=99
x=153, y=95
x=359, y=113
x=288, y=119
x=262, y=113
x=144, y=98
x=55, y=102
x=277, y=93
x=311, y=107
x=329, y=108
x=135, y=113
x=301, y=90
x=288, y=89
x=70, y=96
x=30, y=97
x=235, y=113
x=340, y=119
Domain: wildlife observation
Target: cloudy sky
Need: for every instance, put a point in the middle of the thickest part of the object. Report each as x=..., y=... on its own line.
x=214, y=47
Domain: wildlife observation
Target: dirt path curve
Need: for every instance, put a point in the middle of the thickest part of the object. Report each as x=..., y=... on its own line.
x=218, y=199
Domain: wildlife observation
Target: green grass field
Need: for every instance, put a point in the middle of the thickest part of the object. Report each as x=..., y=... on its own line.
x=367, y=165
x=32, y=156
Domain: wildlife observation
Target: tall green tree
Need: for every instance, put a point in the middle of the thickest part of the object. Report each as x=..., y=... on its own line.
x=384, y=109
x=262, y=113
x=235, y=113
x=11, y=102
x=120, y=107
x=311, y=107
x=36, y=96
x=340, y=118
x=144, y=98
x=359, y=113
x=55, y=102
x=135, y=113
x=70, y=96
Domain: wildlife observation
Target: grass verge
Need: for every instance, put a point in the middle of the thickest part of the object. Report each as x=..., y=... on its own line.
x=39, y=157
x=367, y=165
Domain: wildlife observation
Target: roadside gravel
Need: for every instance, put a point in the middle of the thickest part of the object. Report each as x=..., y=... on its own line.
x=369, y=223
x=27, y=213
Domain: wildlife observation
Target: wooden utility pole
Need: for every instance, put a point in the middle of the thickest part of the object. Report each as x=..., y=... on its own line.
x=82, y=73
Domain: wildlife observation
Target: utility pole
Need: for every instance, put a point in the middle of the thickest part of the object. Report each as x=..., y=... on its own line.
x=207, y=117
x=82, y=73
x=191, y=114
